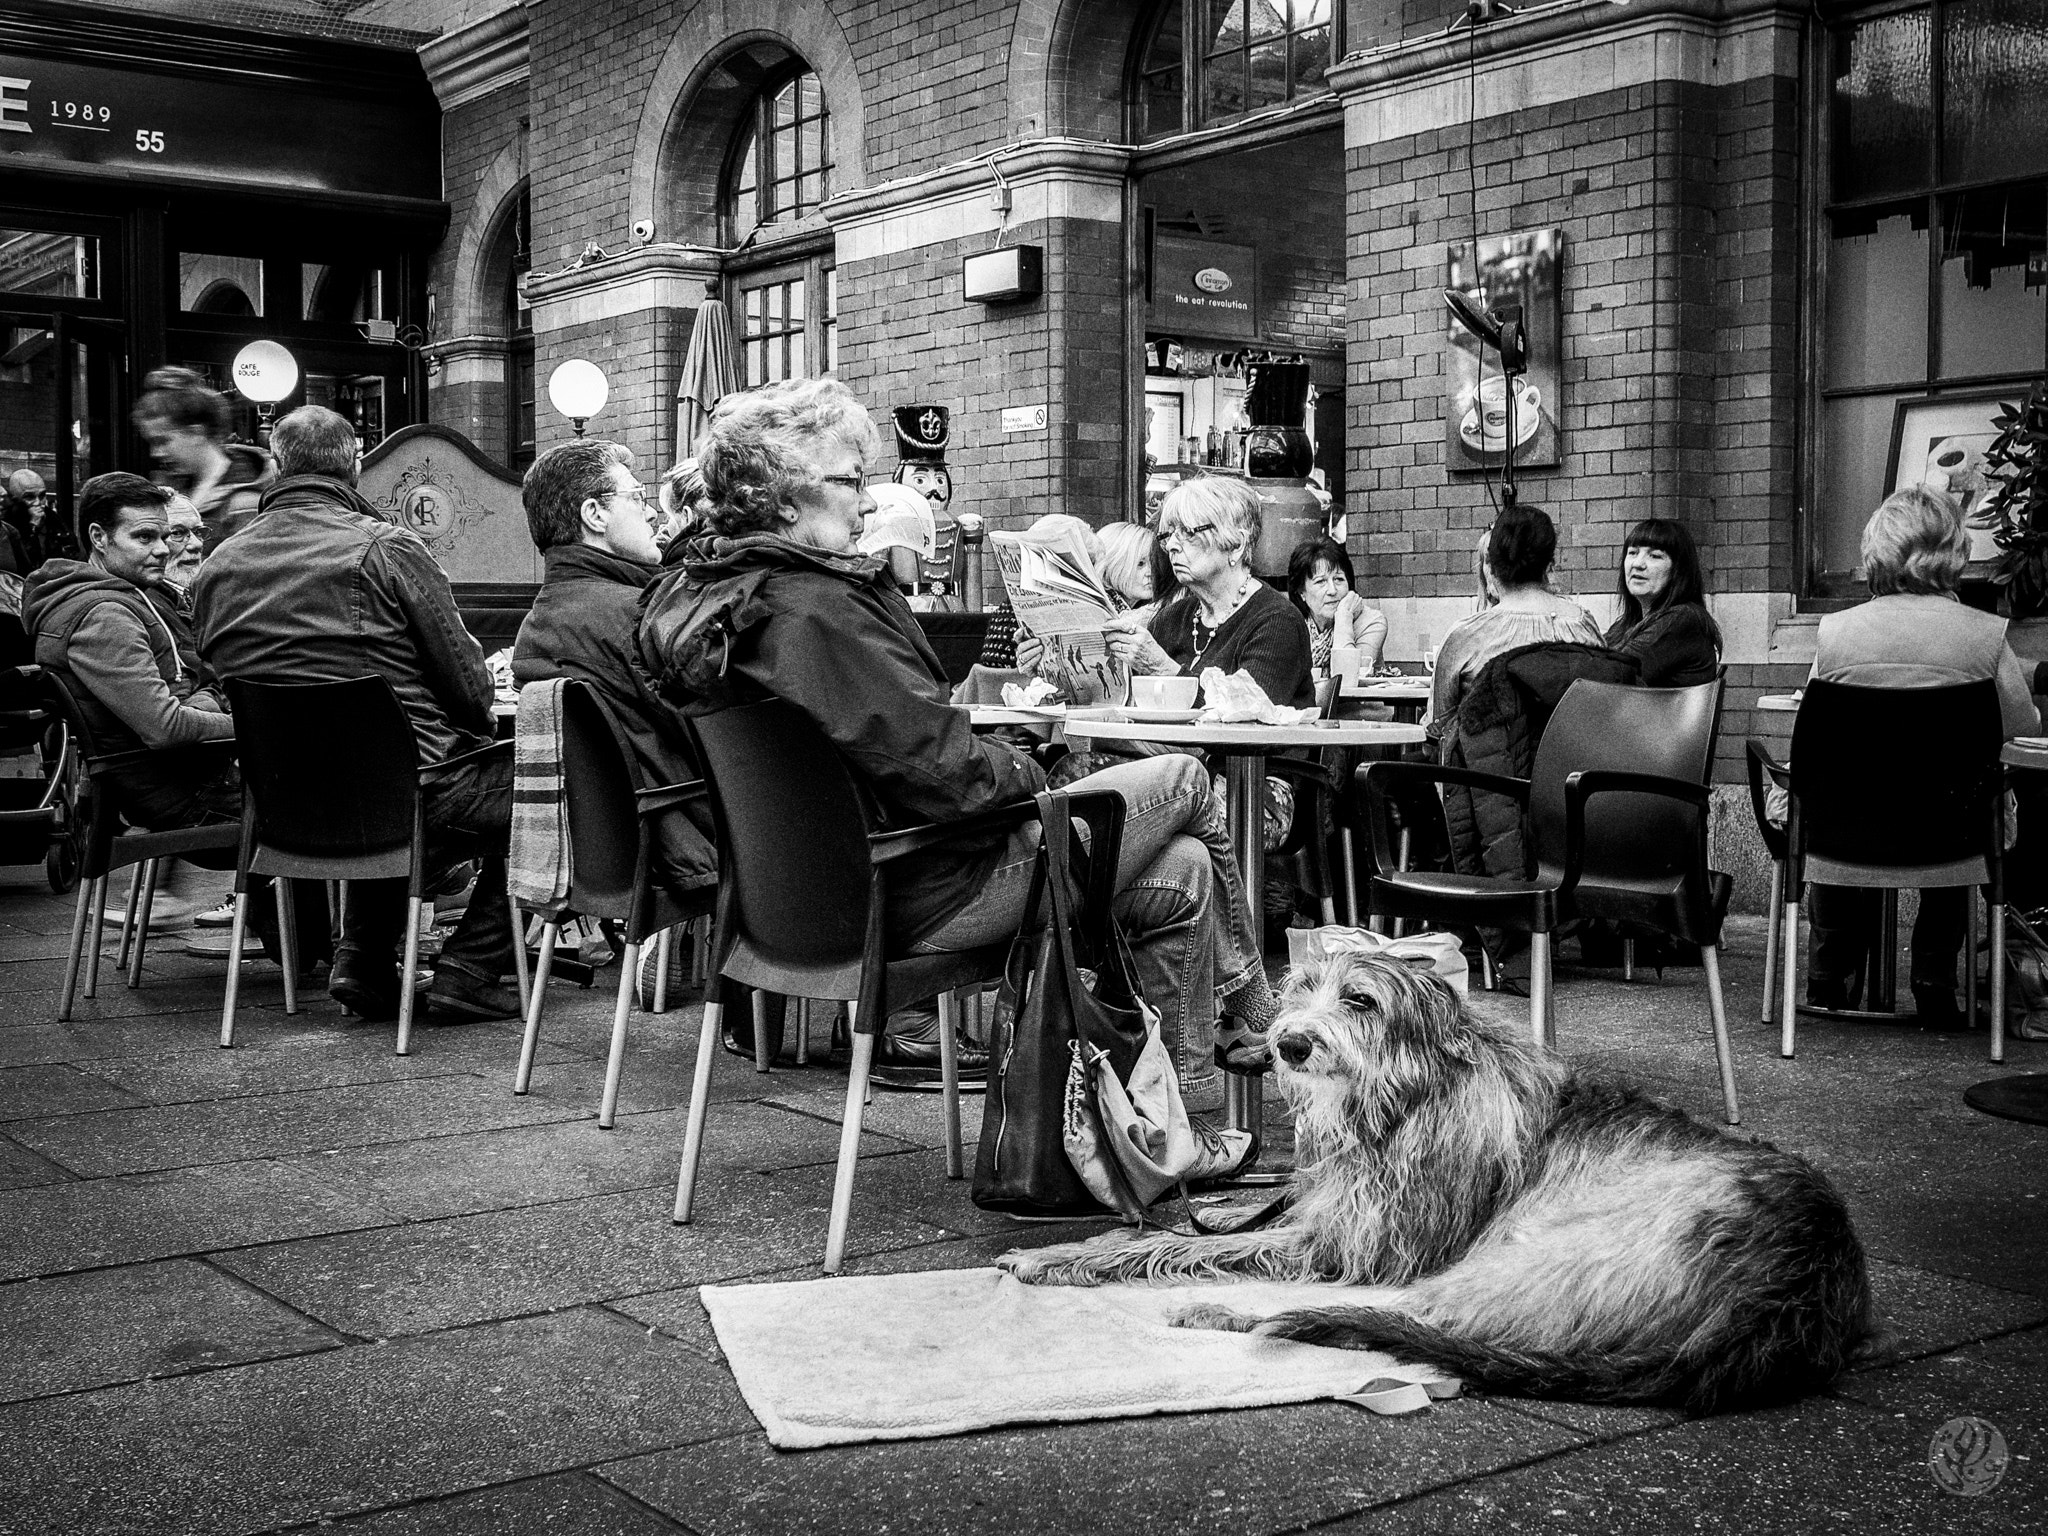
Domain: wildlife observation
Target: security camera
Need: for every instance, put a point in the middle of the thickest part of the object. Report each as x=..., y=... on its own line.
x=643, y=231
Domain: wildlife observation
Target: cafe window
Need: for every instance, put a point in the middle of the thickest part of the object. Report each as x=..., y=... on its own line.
x=1208, y=62
x=788, y=321
x=1935, y=231
x=49, y=264
x=780, y=166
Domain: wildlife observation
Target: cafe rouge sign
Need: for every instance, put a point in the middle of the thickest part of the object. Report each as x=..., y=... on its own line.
x=129, y=122
x=1204, y=288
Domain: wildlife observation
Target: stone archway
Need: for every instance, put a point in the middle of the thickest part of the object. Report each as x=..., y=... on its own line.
x=1069, y=67
x=691, y=112
x=477, y=300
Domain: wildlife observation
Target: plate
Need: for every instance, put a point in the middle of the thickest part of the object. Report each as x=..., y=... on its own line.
x=1144, y=716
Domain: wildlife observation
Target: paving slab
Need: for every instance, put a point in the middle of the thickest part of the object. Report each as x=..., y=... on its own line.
x=441, y=1274
x=71, y=1332
x=1923, y=1312
x=22, y=1169
x=84, y=1039
x=189, y=1135
x=566, y=1504
x=353, y=1430
x=1271, y=1469
x=82, y=1224
x=534, y=1164
x=56, y=1088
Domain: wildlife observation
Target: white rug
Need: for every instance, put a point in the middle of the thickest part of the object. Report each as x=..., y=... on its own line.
x=904, y=1357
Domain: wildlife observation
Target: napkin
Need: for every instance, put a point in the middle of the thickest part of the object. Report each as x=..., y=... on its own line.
x=1237, y=699
x=1032, y=695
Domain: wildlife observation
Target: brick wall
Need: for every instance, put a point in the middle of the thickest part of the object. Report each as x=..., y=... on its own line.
x=935, y=79
x=474, y=138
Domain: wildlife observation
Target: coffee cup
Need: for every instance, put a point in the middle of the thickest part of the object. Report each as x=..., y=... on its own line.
x=1164, y=692
x=1344, y=663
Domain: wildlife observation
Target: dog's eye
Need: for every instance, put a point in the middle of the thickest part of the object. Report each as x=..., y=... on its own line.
x=1363, y=1002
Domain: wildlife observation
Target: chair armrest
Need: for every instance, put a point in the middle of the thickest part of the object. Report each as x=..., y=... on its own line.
x=886, y=847
x=100, y=767
x=1582, y=786
x=669, y=796
x=463, y=759
x=1378, y=777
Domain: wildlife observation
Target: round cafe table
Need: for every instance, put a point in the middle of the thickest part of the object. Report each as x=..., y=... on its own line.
x=1243, y=749
x=1408, y=695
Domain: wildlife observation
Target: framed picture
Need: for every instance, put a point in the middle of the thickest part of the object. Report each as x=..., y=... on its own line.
x=1522, y=269
x=1939, y=441
x=1164, y=427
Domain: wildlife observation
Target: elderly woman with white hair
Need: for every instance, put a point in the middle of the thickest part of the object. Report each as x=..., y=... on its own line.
x=1913, y=633
x=778, y=602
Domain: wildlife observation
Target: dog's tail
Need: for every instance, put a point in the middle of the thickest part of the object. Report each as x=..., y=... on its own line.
x=1494, y=1365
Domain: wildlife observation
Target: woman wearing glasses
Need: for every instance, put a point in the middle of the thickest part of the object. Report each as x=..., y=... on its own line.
x=777, y=602
x=1224, y=616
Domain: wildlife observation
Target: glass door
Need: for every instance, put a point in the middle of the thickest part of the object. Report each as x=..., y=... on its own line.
x=91, y=404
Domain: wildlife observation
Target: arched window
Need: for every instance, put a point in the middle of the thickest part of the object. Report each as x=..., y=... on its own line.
x=780, y=168
x=518, y=236
x=1212, y=61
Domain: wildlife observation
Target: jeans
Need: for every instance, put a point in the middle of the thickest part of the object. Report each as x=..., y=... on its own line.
x=1179, y=900
x=468, y=814
x=1844, y=919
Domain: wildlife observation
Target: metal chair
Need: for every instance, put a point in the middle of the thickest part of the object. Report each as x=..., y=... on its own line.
x=802, y=886
x=331, y=782
x=108, y=844
x=1644, y=753
x=614, y=822
x=1897, y=789
x=1762, y=766
x=38, y=817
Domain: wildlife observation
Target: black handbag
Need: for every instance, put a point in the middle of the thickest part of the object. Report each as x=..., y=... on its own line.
x=1045, y=1005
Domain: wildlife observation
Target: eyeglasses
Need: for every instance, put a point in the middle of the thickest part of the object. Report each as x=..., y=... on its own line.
x=1187, y=533
x=855, y=483
x=178, y=538
x=637, y=495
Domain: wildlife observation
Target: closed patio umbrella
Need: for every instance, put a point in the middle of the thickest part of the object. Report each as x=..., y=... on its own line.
x=709, y=374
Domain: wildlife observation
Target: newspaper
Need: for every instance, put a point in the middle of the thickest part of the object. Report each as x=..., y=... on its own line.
x=1059, y=597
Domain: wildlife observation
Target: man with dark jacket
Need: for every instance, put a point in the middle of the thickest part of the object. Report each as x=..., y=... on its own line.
x=319, y=587
x=95, y=627
x=588, y=516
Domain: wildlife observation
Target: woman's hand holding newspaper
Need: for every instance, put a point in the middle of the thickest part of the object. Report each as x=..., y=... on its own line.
x=1130, y=642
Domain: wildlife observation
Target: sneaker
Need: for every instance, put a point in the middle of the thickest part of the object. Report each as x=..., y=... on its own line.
x=222, y=916
x=1220, y=1154
x=680, y=987
x=166, y=912
x=457, y=997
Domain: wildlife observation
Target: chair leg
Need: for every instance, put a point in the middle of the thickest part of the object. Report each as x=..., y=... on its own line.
x=615, y=1063
x=1628, y=959
x=406, y=969
x=1970, y=961
x=849, y=1143
x=522, y=1079
x=519, y=953
x=287, y=942
x=662, y=947
x=949, y=1077
x=761, y=1056
x=1717, y=1005
x=1771, y=910
x=700, y=1103
x=237, y=935
x=1996, y=914
x=92, y=965
x=803, y=1031
x=128, y=912
x=1487, y=980
x=700, y=952
x=77, y=950
x=1401, y=857
x=1542, y=1028
x=1350, y=876
x=1788, y=942
x=153, y=867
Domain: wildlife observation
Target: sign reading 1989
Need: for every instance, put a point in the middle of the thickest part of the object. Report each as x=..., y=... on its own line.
x=18, y=114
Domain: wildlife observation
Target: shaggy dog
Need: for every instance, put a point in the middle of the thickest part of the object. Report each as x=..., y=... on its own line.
x=1534, y=1231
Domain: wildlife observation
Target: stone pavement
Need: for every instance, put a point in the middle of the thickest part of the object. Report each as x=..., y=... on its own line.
x=309, y=1284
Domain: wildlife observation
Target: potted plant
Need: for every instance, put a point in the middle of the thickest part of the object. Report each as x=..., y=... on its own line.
x=2016, y=508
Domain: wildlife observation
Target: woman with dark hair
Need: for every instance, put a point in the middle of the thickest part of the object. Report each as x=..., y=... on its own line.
x=186, y=423
x=1525, y=611
x=1664, y=621
x=1320, y=581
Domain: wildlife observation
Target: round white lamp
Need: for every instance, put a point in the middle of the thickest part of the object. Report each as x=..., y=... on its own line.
x=265, y=372
x=578, y=391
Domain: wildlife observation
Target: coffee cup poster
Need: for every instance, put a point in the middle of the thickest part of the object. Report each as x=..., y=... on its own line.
x=1519, y=269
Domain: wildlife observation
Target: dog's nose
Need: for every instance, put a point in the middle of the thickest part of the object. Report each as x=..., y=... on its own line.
x=1293, y=1049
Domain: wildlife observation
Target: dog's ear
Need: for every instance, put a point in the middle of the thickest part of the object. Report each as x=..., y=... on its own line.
x=1450, y=1022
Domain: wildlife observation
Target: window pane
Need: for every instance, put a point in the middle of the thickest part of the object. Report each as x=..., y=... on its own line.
x=1165, y=50
x=1268, y=72
x=1991, y=322
x=1883, y=105
x=793, y=302
x=1159, y=98
x=1309, y=13
x=1859, y=440
x=753, y=310
x=1311, y=61
x=1226, y=26
x=809, y=101
x=233, y=285
x=59, y=266
x=1877, y=300
x=757, y=369
x=810, y=146
x=783, y=111
x=810, y=193
x=1223, y=88
x=1994, y=105
x=1268, y=18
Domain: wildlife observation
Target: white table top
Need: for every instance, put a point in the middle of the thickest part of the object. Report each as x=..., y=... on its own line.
x=2018, y=756
x=1003, y=714
x=1247, y=738
x=1395, y=689
x=1779, y=703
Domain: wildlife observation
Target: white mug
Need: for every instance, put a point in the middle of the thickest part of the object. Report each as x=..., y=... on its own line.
x=1344, y=663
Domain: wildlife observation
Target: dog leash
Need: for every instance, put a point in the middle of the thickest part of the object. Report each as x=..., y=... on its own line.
x=1264, y=1216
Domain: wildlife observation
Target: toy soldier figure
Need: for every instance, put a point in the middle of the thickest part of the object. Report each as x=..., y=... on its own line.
x=923, y=433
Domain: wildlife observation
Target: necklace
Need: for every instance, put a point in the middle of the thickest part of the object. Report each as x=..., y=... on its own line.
x=1206, y=632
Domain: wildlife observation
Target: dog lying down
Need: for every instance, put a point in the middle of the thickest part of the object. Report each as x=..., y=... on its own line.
x=1535, y=1231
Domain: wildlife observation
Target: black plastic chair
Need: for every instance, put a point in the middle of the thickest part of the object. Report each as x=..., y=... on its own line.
x=38, y=817
x=1897, y=789
x=1644, y=755
x=1763, y=766
x=803, y=876
x=109, y=843
x=614, y=822
x=331, y=791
